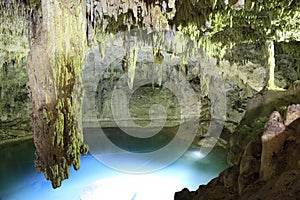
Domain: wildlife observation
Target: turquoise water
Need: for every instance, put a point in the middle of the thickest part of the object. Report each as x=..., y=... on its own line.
x=19, y=180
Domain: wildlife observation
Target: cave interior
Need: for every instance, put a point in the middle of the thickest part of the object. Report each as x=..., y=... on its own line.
x=203, y=74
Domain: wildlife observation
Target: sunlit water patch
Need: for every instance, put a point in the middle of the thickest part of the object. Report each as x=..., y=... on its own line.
x=19, y=180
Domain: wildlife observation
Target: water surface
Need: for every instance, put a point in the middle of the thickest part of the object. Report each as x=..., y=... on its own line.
x=19, y=180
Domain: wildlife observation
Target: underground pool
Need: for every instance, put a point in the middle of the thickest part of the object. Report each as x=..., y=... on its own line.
x=95, y=180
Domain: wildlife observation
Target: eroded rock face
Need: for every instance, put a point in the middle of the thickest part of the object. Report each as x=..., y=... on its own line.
x=268, y=169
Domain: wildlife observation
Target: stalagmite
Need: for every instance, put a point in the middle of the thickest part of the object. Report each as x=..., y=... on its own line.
x=293, y=128
x=55, y=85
x=293, y=113
x=272, y=143
x=274, y=137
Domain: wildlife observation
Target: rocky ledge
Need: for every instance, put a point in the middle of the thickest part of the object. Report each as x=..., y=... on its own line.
x=269, y=167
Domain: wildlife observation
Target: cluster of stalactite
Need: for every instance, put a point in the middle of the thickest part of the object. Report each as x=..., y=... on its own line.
x=30, y=10
x=164, y=43
x=145, y=13
x=153, y=15
x=225, y=22
x=216, y=24
x=13, y=26
x=257, y=21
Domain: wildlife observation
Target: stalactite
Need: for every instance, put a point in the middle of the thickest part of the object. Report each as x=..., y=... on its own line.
x=183, y=67
x=270, y=63
x=158, y=62
x=158, y=43
x=100, y=37
x=14, y=23
x=102, y=49
x=130, y=62
x=55, y=86
x=145, y=14
x=112, y=74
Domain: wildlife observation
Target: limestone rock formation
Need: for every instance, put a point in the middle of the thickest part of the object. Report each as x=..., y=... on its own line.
x=55, y=85
x=215, y=26
x=258, y=110
x=269, y=167
x=272, y=143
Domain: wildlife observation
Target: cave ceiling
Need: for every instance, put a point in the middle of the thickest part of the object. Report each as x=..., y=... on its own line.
x=215, y=25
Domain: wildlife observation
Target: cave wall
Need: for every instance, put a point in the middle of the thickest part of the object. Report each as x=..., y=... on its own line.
x=14, y=101
x=242, y=80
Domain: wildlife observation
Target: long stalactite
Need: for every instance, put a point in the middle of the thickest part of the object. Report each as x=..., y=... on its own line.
x=55, y=84
x=270, y=63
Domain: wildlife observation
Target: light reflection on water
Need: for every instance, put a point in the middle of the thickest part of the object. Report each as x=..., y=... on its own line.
x=19, y=181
